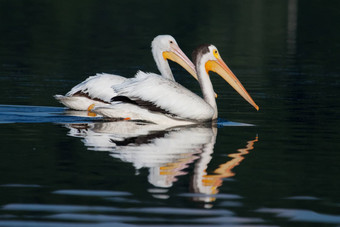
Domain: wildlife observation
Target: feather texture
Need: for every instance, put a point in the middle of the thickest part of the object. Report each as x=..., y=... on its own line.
x=94, y=90
x=167, y=95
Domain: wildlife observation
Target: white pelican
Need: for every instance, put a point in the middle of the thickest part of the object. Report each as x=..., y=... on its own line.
x=155, y=99
x=97, y=89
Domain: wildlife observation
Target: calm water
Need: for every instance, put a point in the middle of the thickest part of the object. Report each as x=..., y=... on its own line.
x=275, y=167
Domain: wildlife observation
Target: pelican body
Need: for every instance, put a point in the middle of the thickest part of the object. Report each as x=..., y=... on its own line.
x=96, y=90
x=159, y=100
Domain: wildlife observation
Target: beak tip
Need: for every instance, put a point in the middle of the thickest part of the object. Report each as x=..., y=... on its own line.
x=257, y=107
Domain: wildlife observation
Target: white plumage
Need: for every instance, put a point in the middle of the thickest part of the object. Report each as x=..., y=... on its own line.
x=97, y=89
x=94, y=90
x=98, y=86
x=178, y=105
x=166, y=94
x=152, y=98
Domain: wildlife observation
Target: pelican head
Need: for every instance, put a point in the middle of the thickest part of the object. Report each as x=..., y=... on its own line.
x=207, y=56
x=165, y=47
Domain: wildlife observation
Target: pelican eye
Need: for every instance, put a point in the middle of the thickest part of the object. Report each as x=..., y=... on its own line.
x=171, y=42
x=215, y=52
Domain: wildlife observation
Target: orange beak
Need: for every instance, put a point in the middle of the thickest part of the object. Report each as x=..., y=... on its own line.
x=177, y=55
x=218, y=66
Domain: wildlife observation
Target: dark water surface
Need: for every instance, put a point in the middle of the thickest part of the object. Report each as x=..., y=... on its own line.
x=279, y=167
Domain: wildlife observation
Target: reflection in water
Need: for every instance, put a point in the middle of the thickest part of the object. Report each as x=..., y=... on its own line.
x=166, y=152
x=208, y=183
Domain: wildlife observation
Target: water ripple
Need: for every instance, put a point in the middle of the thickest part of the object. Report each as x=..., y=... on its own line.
x=302, y=215
x=91, y=193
